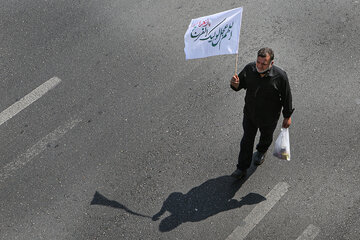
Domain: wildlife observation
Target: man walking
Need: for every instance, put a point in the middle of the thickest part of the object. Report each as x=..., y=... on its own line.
x=267, y=92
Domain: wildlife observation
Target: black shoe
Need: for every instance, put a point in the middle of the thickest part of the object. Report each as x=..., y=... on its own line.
x=239, y=174
x=259, y=157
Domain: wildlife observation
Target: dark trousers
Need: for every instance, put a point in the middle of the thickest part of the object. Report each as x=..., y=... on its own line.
x=247, y=142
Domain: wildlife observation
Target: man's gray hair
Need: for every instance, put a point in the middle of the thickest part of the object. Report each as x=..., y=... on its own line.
x=263, y=51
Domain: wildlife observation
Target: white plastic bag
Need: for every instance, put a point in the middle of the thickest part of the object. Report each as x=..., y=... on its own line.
x=282, y=145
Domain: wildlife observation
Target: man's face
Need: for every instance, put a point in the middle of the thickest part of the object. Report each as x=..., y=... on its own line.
x=263, y=63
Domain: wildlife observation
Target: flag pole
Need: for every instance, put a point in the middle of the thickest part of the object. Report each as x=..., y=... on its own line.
x=237, y=54
x=236, y=62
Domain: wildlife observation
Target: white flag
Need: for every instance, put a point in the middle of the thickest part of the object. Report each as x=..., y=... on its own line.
x=213, y=35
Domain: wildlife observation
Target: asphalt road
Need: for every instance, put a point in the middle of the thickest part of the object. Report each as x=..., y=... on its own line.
x=134, y=142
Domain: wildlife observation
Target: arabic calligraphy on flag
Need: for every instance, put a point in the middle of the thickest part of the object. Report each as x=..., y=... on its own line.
x=212, y=35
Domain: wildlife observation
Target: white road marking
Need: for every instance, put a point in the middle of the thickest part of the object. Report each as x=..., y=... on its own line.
x=28, y=99
x=40, y=146
x=259, y=212
x=309, y=233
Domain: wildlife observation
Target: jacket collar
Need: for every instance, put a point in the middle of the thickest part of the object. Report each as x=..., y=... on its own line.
x=271, y=72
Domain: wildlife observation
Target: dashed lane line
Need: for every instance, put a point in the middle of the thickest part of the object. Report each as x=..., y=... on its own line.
x=28, y=99
x=36, y=149
x=259, y=212
x=309, y=233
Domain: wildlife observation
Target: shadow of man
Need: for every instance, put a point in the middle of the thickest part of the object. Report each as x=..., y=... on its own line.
x=208, y=199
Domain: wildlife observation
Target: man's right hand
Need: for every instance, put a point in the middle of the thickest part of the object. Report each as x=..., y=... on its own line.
x=235, y=81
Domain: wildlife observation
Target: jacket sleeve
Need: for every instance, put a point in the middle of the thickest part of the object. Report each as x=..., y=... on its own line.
x=286, y=98
x=242, y=83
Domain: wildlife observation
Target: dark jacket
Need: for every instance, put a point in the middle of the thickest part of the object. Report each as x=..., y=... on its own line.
x=265, y=96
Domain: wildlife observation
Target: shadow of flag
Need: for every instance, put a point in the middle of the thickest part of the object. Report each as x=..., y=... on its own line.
x=100, y=199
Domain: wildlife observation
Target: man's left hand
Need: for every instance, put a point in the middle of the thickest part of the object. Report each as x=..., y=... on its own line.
x=286, y=122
